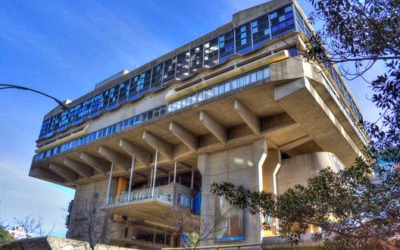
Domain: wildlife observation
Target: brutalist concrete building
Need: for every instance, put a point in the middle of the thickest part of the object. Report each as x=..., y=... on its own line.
x=237, y=104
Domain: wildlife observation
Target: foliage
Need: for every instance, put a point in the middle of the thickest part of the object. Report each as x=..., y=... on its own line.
x=5, y=236
x=193, y=240
x=353, y=209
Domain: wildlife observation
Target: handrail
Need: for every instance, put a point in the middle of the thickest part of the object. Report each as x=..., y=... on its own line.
x=238, y=246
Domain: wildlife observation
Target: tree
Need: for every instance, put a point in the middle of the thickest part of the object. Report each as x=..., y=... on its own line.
x=5, y=236
x=94, y=226
x=353, y=209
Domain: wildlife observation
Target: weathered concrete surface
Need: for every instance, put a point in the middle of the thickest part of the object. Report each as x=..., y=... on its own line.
x=240, y=167
x=54, y=243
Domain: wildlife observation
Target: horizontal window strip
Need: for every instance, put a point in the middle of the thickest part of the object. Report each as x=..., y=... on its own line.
x=219, y=89
x=240, y=40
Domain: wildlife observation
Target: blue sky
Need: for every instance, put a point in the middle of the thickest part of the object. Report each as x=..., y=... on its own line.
x=64, y=48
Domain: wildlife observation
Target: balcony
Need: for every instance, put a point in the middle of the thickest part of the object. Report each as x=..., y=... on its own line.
x=164, y=205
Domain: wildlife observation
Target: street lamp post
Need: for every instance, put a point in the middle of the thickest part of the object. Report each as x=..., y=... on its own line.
x=13, y=86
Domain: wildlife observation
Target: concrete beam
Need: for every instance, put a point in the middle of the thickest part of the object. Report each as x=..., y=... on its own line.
x=140, y=174
x=165, y=148
x=64, y=172
x=213, y=126
x=78, y=167
x=185, y=165
x=117, y=158
x=95, y=162
x=295, y=143
x=189, y=139
x=248, y=117
x=162, y=170
x=140, y=154
x=46, y=175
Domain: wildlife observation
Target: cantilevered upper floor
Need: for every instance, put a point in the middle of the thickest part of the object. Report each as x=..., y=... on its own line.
x=243, y=81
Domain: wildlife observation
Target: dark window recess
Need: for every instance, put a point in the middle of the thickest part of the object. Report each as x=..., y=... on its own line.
x=169, y=69
x=282, y=21
x=211, y=53
x=123, y=91
x=112, y=103
x=182, y=66
x=243, y=39
x=157, y=76
x=104, y=100
x=260, y=30
x=196, y=59
x=226, y=46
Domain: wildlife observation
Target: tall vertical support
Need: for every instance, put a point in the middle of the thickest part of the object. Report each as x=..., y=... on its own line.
x=154, y=173
x=275, y=181
x=169, y=177
x=109, y=184
x=151, y=179
x=131, y=177
x=174, y=172
x=192, y=180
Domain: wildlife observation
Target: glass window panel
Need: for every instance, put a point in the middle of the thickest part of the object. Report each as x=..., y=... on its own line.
x=169, y=69
x=182, y=67
x=226, y=46
x=123, y=91
x=211, y=53
x=157, y=76
x=243, y=38
x=196, y=59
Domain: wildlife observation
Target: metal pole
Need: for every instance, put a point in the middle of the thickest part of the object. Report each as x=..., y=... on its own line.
x=151, y=179
x=154, y=173
x=169, y=177
x=130, y=178
x=175, y=172
x=109, y=184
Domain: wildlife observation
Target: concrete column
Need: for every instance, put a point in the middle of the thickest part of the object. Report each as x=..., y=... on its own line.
x=131, y=177
x=174, y=172
x=240, y=166
x=109, y=184
x=154, y=173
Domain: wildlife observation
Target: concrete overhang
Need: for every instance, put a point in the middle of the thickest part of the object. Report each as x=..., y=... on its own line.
x=302, y=102
x=156, y=212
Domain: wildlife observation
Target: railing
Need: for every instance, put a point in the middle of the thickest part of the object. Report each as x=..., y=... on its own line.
x=173, y=193
x=217, y=247
x=140, y=195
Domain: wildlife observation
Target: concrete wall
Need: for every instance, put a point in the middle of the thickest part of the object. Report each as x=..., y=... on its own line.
x=89, y=198
x=240, y=167
x=299, y=169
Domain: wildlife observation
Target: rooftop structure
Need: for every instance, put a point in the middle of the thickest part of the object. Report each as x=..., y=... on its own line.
x=237, y=104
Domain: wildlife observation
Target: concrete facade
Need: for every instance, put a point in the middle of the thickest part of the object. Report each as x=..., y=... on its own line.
x=261, y=117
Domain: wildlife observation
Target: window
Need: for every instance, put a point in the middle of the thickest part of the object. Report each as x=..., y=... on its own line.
x=282, y=21
x=113, y=97
x=157, y=76
x=169, y=69
x=226, y=46
x=211, y=53
x=182, y=66
x=243, y=39
x=196, y=59
x=261, y=31
x=123, y=91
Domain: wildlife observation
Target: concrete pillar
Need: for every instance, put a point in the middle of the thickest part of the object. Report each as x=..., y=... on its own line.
x=239, y=166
